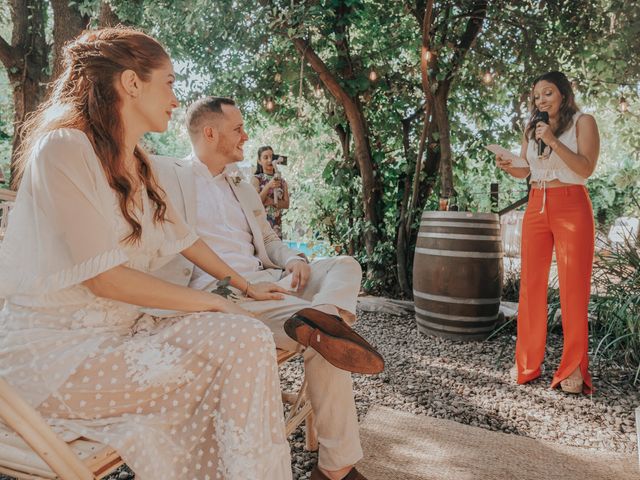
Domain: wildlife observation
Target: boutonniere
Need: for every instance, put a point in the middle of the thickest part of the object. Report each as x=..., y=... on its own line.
x=235, y=177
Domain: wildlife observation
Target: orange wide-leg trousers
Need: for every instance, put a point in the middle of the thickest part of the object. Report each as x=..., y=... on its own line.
x=560, y=217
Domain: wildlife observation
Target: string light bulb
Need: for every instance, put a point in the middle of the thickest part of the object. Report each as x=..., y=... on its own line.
x=428, y=56
x=624, y=105
x=317, y=91
x=277, y=77
x=487, y=78
x=269, y=105
x=373, y=76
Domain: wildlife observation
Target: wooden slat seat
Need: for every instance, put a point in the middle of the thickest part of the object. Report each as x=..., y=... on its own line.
x=7, y=195
x=301, y=410
x=20, y=461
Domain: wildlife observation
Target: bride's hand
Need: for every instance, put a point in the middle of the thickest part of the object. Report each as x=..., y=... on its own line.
x=265, y=291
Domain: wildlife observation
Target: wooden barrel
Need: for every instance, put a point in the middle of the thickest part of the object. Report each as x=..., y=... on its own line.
x=457, y=274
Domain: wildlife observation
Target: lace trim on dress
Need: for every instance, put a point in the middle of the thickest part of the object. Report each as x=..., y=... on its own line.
x=85, y=270
x=71, y=276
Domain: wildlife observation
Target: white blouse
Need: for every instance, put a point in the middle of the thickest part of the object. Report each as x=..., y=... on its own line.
x=553, y=167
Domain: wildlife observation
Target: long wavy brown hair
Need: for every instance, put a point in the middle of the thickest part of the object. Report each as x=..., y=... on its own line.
x=84, y=97
x=568, y=106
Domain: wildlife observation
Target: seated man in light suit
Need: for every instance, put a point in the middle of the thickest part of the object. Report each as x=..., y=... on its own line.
x=229, y=216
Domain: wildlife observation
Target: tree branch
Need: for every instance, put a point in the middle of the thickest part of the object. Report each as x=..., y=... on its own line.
x=107, y=17
x=9, y=56
x=328, y=79
x=474, y=25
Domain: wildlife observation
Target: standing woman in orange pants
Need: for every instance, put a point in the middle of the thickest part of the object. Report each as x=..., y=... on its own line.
x=558, y=215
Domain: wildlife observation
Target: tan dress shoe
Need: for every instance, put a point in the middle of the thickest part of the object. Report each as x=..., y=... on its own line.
x=336, y=341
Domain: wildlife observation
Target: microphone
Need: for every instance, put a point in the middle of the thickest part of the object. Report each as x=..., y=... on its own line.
x=541, y=117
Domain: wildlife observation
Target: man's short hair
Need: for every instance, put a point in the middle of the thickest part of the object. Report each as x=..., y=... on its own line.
x=200, y=110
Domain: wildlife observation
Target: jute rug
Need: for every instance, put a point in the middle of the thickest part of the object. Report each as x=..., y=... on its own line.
x=402, y=446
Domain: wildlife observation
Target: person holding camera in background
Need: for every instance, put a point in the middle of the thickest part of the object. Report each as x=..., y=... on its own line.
x=561, y=145
x=271, y=187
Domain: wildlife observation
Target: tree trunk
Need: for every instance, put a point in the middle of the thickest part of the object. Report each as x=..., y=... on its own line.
x=345, y=142
x=477, y=14
x=107, y=17
x=404, y=190
x=26, y=61
x=441, y=115
x=27, y=58
x=404, y=187
x=68, y=23
x=424, y=12
x=371, y=188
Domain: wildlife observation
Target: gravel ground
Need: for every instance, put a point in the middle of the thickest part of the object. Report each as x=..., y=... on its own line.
x=469, y=383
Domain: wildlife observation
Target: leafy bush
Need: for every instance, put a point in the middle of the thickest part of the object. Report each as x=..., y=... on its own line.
x=615, y=193
x=615, y=308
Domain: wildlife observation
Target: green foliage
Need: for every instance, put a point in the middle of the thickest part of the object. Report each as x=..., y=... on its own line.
x=615, y=193
x=615, y=308
x=6, y=124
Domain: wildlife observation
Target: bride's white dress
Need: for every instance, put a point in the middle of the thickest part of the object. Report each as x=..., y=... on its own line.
x=192, y=396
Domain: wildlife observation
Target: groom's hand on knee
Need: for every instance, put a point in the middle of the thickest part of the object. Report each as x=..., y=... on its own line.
x=300, y=272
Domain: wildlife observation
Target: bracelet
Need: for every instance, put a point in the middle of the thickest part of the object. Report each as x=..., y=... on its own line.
x=246, y=290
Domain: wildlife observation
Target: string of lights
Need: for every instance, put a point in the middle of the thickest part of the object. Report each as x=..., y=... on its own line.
x=487, y=78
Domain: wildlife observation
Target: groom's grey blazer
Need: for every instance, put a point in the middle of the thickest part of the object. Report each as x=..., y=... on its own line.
x=176, y=177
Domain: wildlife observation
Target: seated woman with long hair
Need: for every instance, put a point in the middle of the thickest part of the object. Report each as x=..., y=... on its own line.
x=193, y=394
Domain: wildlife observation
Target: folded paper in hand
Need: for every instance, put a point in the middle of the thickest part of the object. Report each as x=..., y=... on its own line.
x=516, y=161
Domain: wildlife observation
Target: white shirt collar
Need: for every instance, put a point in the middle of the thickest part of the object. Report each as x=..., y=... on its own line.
x=201, y=169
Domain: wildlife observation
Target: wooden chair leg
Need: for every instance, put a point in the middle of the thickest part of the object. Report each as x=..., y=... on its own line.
x=311, y=436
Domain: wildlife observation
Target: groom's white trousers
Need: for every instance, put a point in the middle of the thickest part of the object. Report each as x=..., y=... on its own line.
x=333, y=281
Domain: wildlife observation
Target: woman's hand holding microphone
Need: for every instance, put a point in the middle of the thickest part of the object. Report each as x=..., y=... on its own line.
x=545, y=133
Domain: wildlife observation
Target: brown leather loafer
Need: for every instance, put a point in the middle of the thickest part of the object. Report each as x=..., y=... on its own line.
x=332, y=338
x=353, y=474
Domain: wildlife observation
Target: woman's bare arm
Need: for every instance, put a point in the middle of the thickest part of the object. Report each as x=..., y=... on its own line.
x=201, y=255
x=584, y=161
x=128, y=285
